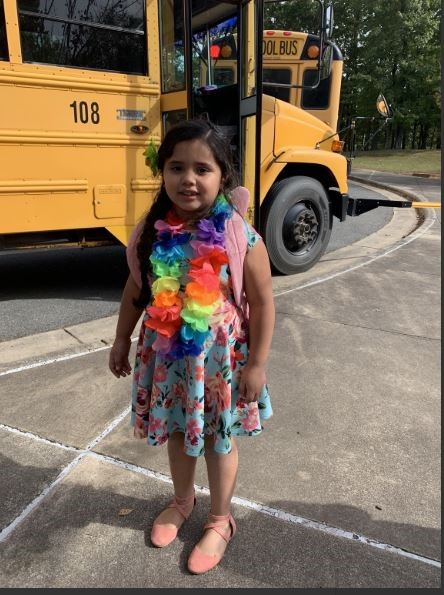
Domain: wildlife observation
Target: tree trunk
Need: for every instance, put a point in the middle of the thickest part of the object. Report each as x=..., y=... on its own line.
x=423, y=134
x=404, y=139
x=386, y=138
x=393, y=139
x=415, y=126
x=398, y=137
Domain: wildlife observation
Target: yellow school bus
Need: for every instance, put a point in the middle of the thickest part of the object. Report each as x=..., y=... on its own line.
x=87, y=85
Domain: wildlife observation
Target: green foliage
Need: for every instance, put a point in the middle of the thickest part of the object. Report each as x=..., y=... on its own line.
x=389, y=46
x=303, y=15
x=152, y=158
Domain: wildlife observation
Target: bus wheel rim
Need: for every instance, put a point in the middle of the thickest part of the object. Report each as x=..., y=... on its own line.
x=300, y=229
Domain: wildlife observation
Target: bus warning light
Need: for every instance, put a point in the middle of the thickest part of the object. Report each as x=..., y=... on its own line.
x=337, y=146
x=226, y=51
x=215, y=51
x=313, y=51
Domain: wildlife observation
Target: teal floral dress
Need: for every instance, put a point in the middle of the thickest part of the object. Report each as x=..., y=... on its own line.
x=198, y=395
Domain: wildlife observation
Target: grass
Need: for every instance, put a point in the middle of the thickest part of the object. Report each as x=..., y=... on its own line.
x=402, y=162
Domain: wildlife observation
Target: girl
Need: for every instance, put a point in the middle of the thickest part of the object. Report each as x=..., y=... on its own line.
x=201, y=273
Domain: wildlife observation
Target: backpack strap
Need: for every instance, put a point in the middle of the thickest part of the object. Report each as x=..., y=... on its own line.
x=237, y=244
x=240, y=197
x=131, y=253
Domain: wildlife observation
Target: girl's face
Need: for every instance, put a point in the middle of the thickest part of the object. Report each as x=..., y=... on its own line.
x=192, y=178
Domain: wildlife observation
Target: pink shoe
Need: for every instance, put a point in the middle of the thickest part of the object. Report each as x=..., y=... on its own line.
x=161, y=535
x=198, y=562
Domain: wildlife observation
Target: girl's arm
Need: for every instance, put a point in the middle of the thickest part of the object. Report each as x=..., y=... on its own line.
x=258, y=289
x=128, y=317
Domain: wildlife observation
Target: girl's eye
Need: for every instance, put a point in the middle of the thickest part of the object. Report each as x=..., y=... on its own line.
x=202, y=170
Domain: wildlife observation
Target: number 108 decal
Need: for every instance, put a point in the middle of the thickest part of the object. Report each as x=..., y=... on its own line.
x=85, y=113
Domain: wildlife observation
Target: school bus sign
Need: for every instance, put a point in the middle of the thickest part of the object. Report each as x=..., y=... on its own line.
x=281, y=48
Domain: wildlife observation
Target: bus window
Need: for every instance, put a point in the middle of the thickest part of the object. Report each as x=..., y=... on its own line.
x=94, y=34
x=173, y=117
x=277, y=75
x=3, y=45
x=224, y=76
x=172, y=49
x=213, y=47
x=315, y=98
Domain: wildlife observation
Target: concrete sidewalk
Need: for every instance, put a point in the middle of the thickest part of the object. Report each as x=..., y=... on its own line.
x=342, y=489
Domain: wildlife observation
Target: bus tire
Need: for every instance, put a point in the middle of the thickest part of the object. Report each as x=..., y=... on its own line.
x=297, y=224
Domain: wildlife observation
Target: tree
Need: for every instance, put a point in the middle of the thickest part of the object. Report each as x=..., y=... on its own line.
x=389, y=46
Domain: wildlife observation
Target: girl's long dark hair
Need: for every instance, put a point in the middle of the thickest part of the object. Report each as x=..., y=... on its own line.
x=187, y=130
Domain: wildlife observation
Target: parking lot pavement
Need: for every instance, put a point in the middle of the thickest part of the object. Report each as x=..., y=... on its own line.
x=342, y=489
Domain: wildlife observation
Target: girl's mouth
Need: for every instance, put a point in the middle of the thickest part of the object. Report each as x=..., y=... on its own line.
x=188, y=194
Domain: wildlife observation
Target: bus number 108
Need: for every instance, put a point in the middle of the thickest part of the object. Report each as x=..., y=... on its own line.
x=85, y=113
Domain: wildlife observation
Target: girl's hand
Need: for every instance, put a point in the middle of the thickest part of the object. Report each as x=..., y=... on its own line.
x=252, y=381
x=118, y=358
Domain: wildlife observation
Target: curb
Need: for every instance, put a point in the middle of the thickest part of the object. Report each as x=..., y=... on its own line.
x=424, y=175
x=403, y=193
x=423, y=213
x=417, y=174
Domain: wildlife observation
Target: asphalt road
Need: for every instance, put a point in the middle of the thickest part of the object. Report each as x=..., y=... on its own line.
x=47, y=290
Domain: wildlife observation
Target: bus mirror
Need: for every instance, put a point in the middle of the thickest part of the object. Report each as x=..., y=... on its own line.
x=328, y=21
x=383, y=107
x=326, y=62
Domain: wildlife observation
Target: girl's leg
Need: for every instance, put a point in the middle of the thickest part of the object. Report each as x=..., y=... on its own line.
x=182, y=468
x=222, y=474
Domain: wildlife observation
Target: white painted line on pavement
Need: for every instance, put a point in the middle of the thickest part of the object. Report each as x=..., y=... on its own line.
x=37, y=438
x=108, y=429
x=334, y=531
x=135, y=468
x=363, y=264
x=58, y=359
x=52, y=360
x=260, y=508
x=83, y=452
x=279, y=514
x=32, y=505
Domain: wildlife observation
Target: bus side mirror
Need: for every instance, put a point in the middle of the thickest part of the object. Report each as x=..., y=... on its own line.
x=383, y=107
x=326, y=62
x=328, y=21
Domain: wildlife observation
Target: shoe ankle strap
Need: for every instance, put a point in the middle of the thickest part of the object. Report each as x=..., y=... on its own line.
x=185, y=501
x=183, y=505
x=219, y=519
x=219, y=524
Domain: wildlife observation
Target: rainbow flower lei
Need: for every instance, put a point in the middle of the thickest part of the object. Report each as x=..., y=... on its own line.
x=182, y=323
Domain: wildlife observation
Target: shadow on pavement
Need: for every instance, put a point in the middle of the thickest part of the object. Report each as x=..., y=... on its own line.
x=64, y=273
x=78, y=521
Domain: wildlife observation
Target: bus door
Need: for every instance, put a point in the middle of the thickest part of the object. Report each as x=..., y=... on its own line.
x=230, y=30
x=174, y=19
x=250, y=79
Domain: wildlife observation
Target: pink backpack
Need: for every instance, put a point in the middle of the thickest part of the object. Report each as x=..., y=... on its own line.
x=236, y=242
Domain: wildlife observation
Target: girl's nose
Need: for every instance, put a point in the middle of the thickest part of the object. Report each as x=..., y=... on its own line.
x=188, y=176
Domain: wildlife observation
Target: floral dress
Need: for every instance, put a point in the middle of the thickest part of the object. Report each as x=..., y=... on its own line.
x=198, y=395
